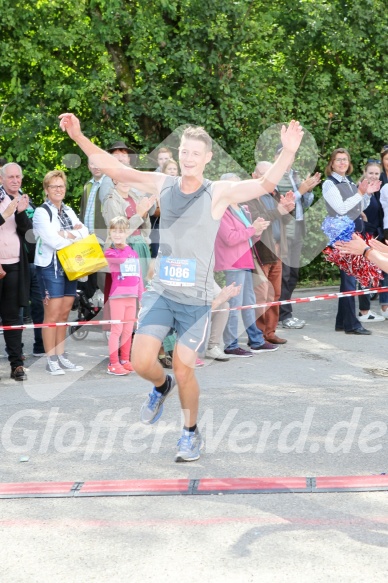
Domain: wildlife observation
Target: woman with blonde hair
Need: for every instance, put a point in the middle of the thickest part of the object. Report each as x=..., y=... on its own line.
x=56, y=226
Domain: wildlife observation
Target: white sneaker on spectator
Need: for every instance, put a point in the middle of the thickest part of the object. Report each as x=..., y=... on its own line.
x=370, y=317
x=216, y=353
x=66, y=364
x=53, y=367
x=293, y=323
x=384, y=314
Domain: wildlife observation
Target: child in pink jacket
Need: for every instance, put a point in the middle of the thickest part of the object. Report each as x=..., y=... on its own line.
x=126, y=288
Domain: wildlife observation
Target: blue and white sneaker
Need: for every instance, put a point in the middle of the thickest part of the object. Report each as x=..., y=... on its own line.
x=152, y=407
x=189, y=446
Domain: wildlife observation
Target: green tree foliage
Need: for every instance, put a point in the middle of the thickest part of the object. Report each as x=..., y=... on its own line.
x=137, y=70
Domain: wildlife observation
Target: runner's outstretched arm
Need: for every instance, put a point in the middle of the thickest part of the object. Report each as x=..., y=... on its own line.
x=227, y=192
x=148, y=182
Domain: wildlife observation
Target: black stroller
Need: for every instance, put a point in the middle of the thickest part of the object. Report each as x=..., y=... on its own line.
x=89, y=306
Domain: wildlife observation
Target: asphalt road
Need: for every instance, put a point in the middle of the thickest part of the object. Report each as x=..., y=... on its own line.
x=315, y=407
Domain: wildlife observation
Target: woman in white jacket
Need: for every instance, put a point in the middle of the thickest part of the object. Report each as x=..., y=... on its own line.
x=55, y=226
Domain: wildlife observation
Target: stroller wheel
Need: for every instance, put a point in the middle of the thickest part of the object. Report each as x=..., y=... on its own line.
x=78, y=332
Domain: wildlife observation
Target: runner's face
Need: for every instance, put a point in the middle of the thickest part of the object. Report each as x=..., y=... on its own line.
x=118, y=236
x=193, y=157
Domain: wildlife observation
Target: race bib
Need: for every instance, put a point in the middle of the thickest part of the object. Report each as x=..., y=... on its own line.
x=178, y=272
x=130, y=267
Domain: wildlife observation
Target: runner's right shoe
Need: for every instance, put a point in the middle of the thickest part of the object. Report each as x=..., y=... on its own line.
x=152, y=407
x=189, y=446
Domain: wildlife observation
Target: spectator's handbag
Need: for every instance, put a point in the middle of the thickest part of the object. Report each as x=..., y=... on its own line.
x=82, y=258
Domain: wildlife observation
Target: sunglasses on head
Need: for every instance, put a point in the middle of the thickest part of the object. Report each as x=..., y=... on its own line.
x=384, y=148
x=374, y=160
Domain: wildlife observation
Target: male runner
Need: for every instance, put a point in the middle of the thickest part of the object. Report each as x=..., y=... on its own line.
x=182, y=288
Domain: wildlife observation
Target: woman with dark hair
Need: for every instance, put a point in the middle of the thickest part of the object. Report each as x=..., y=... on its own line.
x=343, y=197
x=384, y=165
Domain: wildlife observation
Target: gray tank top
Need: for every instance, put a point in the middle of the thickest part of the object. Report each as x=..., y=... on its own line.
x=185, y=262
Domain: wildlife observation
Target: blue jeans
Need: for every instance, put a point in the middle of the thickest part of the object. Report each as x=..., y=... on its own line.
x=364, y=301
x=246, y=297
x=54, y=283
x=383, y=297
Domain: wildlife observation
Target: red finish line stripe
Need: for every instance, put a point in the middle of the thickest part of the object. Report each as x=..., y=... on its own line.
x=180, y=485
x=194, y=487
x=37, y=488
x=339, y=482
x=332, y=296
x=230, y=484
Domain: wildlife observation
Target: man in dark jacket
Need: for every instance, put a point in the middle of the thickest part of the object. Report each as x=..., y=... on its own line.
x=15, y=276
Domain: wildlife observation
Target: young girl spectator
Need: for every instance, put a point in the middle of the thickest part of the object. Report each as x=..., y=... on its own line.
x=127, y=286
x=170, y=167
x=124, y=202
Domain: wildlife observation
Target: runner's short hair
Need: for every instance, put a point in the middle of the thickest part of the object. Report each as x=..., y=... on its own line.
x=198, y=133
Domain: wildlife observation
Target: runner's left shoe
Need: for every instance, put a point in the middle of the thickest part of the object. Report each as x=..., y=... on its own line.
x=152, y=407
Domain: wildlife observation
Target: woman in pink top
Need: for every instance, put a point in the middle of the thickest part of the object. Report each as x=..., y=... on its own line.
x=233, y=256
x=127, y=286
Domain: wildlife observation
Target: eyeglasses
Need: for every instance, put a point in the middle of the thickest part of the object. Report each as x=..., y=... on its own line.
x=341, y=160
x=374, y=160
x=57, y=186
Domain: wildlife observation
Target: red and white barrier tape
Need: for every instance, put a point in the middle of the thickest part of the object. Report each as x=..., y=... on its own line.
x=318, y=298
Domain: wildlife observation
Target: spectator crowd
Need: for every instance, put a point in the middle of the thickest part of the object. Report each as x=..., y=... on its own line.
x=257, y=250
